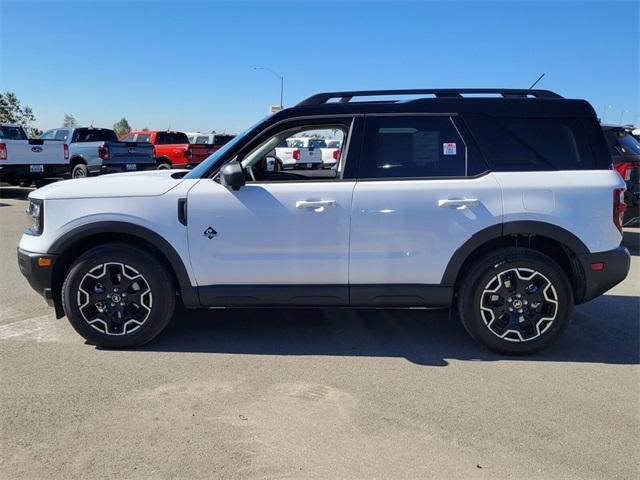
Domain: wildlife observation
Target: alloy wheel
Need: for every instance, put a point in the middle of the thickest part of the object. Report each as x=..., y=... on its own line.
x=519, y=304
x=114, y=298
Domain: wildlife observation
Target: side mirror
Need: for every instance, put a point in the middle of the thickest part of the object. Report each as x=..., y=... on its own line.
x=232, y=176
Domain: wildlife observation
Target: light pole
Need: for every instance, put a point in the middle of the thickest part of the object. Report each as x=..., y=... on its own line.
x=281, y=81
x=604, y=112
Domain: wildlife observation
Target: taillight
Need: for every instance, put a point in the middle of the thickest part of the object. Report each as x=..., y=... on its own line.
x=336, y=154
x=624, y=169
x=296, y=154
x=103, y=152
x=188, y=153
x=3, y=151
x=66, y=151
x=619, y=207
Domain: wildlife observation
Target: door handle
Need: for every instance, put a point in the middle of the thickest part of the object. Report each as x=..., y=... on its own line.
x=459, y=203
x=317, y=205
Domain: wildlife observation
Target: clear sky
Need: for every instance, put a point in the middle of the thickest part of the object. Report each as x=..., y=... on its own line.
x=188, y=65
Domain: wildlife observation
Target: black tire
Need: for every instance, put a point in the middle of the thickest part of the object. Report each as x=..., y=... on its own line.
x=25, y=183
x=143, y=280
x=496, y=280
x=80, y=171
x=164, y=165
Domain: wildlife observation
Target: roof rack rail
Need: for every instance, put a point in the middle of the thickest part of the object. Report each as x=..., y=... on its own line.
x=346, y=97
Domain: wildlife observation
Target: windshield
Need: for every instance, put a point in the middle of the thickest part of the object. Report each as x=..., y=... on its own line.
x=213, y=159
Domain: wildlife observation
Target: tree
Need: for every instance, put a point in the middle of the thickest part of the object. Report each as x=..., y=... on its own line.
x=12, y=111
x=69, y=121
x=122, y=127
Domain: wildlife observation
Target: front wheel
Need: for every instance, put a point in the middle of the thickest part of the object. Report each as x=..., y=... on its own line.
x=515, y=301
x=118, y=296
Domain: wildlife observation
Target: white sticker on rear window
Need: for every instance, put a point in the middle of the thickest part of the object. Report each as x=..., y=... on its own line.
x=449, y=148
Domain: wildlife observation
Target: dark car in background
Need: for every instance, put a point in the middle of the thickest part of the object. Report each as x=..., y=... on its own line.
x=625, y=153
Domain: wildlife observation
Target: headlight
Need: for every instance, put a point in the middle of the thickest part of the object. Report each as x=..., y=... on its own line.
x=35, y=212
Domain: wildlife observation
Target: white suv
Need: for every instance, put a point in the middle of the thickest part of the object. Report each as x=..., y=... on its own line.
x=503, y=206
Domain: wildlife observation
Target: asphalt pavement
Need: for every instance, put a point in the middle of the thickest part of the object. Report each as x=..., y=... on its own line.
x=248, y=394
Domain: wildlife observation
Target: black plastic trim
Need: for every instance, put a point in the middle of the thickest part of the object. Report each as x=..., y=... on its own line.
x=524, y=227
x=188, y=292
x=274, y=295
x=616, y=268
x=182, y=211
x=40, y=278
x=390, y=295
x=401, y=295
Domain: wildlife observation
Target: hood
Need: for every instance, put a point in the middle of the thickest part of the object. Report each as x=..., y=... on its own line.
x=134, y=184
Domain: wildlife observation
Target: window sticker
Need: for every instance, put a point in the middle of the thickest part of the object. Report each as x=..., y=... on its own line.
x=449, y=148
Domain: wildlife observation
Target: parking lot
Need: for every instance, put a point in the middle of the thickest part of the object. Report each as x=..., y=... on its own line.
x=314, y=393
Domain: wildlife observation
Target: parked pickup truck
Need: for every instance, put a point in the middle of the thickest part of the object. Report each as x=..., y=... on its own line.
x=299, y=152
x=24, y=160
x=331, y=152
x=94, y=151
x=171, y=149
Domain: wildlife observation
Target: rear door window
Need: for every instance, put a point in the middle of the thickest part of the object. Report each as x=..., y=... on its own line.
x=143, y=137
x=412, y=147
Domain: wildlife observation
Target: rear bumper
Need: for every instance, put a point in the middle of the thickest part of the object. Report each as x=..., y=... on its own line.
x=615, y=269
x=19, y=172
x=123, y=167
x=39, y=277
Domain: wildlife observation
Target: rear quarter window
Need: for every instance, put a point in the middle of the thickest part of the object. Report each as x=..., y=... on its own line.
x=532, y=144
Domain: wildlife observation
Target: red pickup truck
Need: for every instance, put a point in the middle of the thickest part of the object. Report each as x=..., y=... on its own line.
x=172, y=149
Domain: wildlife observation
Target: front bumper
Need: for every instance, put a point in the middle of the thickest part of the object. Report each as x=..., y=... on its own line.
x=9, y=173
x=39, y=276
x=615, y=268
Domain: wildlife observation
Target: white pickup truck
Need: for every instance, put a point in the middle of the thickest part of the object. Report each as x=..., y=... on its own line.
x=25, y=160
x=300, y=152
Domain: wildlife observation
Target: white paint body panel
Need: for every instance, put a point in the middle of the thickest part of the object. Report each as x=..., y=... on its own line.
x=399, y=234
x=578, y=201
x=133, y=184
x=157, y=214
x=264, y=238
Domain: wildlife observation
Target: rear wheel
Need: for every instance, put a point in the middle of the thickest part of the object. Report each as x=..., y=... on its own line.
x=163, y=165
x=118, y=296
x=516, y=301
x=80, y=171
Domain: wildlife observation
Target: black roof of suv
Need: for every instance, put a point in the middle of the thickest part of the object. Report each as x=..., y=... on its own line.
x=490, y=101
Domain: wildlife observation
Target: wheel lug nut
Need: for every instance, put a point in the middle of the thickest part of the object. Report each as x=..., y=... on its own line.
x=519, y=310
x=518, y=295
x=509, y=299
x=510, y=309
x=122, y=304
